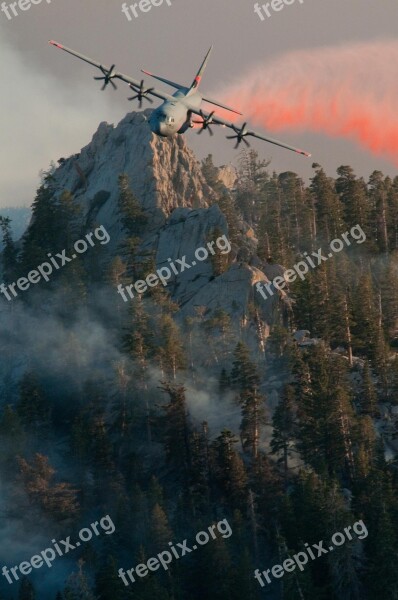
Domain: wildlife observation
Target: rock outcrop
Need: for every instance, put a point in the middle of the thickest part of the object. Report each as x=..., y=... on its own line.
x=164, y=173
x=167, y=179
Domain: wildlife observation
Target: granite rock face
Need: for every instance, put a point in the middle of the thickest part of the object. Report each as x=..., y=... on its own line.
x=166, y=178
x=164, y=173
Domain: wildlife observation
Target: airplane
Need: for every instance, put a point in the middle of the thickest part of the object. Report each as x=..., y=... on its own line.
x=175, y=115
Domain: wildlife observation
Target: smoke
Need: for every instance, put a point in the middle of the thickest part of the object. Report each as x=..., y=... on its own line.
x=64, y=354
x=346, y=91
x=41, y=119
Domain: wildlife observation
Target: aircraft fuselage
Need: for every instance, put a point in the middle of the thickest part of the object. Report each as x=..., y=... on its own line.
x=174, y=117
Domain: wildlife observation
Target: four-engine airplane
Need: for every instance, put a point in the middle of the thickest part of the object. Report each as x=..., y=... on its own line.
x=175, y=115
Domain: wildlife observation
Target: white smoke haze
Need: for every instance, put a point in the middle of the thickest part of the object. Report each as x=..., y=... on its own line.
x=63, y=356
x=38, y=340
x=204, y=404
x=48, y=120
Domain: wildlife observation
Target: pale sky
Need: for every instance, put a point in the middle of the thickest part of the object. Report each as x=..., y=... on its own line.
x=50, y=106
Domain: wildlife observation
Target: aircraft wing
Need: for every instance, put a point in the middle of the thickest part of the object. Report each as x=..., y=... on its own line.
x=110, y=74
x=173, y=84
x=243, y=132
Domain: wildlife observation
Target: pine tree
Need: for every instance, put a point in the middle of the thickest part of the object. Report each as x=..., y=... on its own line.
x=354, y=198
x=210, y=173
x=246, y=379
x=366, y=451
x=101, y=445
x=252, y=177
x=229, y=211
x=392, y=208
x=393, y=381
x=219, y=334
x=328, y=206
x=211, y=574
x=271, y=232
x=228, y=470
x=26, y=590
x=326, y=417
x=133, y=217
x=219, y=262
x=200, y=470
x=170, y=352
x=77, y=586
x=378, y=198
x=387, y=283
x=176, y=429
x=13, y=440
x=243, y=584
x=138, y=342
x=161, y=533
x=264, y=244
x=59, y=500
x=42, y=235
x=365, y=331
x=381, y=576
x=320, y=299
x=68, y=211
x=9, y=253
x=108, y=584
x=283, y=422
x=73, y=285
x=33, y=408
x=224, y=382
x=268, y=489
x=297, y=213
x=368, y=397
x=244, y=372
x=116, y=272
x=115, y=276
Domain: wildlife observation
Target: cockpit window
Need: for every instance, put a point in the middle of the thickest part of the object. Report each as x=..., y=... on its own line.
x=165, y=119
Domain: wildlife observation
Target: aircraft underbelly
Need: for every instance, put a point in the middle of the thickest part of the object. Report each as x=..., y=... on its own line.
x=169, y=118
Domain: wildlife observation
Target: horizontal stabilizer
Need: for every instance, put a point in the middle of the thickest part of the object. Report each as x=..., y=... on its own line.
x=167, y=81
x=221, y=105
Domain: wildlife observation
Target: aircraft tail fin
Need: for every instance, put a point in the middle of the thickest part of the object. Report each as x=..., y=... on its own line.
x=198, y=78
x=195, y=85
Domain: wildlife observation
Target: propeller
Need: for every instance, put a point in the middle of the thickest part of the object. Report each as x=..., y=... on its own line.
x=108, y=77
x=206, y=122
x=240, y=135
x=141, y=93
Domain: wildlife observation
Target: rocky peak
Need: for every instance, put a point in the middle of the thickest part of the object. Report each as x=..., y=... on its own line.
x=164, y=173
x=166, y=178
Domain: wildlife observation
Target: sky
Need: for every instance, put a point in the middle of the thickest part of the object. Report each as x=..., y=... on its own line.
x=50, y=106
